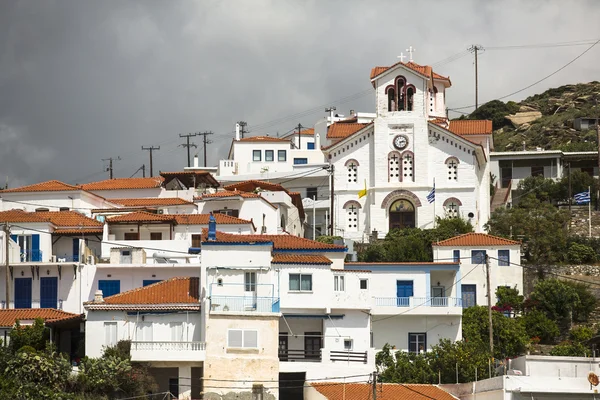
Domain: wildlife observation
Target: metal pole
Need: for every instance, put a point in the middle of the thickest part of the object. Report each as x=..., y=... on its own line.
x=590, y=211
x=314, y=219
x=375, y=385
x=332, y=170
x=7, y=263
x=489, y=294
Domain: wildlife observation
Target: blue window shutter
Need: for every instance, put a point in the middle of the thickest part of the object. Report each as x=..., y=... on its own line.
x=310, y=145
x=36, y=254
x=109, y=287
x=14, y=238
x=75, y=249
x=147, y=282
x=22, y=292
x=48, y=292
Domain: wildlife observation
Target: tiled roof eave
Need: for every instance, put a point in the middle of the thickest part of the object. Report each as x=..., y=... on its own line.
x=343, y=140
x=143, y=307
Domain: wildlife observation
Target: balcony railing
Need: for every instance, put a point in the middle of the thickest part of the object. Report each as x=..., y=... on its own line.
x=418, y=301
x=244, y=304
x=300, y=355
x=348, y=356
x=67, y=258
x=170, y=346
x=31, y=255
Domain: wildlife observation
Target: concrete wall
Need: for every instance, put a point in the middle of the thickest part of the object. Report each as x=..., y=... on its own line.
x=76, y=200
x=256, y=210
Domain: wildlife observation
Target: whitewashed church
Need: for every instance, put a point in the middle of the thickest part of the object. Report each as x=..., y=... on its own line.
x=409, y=147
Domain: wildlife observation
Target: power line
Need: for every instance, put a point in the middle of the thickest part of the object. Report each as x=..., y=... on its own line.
x=543, y=45
x=187, y=145
x=151, y=150
x=206, y=143
x=110, y=165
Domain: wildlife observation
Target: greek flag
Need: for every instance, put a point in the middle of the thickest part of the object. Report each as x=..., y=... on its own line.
x=582, y=198
x=431, y=195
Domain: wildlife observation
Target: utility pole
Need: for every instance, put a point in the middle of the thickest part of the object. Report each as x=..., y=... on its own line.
x=489, y=294
x=144, y=170
x=7, y=262
x=299, y=127
x=331, y=218
x=243, y=125
x=110, y=165
x=374, y=385
x=570, y=188
x=598, y=186
x=151, y=150
x=188, y=144
x=207, y=142
x=474, y=49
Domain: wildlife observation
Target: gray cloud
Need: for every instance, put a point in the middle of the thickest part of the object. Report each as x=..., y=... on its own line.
x=82, y=80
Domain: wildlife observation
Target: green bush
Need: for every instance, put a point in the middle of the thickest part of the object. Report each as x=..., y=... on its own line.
x=569, y=349
x=581, y=334
x=537, y=324
x=581, y=253
x=36, y=335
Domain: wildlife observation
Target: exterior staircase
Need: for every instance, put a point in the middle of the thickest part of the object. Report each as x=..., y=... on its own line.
x=500, y=197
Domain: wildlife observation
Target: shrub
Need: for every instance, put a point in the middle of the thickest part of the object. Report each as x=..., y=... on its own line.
x=581, y=253
x=537, y=324
x=581, y=334
x=569, y=349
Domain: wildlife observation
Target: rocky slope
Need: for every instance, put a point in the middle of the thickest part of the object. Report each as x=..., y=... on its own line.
x=544, y=120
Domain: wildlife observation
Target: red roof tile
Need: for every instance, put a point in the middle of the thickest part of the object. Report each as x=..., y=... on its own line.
x=471, y=127
x=252, y=185
x=341, y=129
x=387, y=391
x=283, y=258
x=142, y=216
x=202, y=219
x=424, y=70
x=179, y=290
x=20, y=216
x=280, y=242
x=49, y=186
x=62, y=219
x=84, y=231
x=152, y=201
x=124, y=183
x=227, y=193
x=8, y=317
x=477, y=239
x=264, y=139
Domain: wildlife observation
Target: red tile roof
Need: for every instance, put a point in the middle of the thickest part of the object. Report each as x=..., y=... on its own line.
x=280, y=242
x=477, y=239
x=8, y=317
x=424, y=70
x=124, y=183
x=20, y=216
x=283, y=258
x=264, y=139
x=152, y=201
x=252, y=185
x=63, y=219
x=179, y=291
x=49, y=186
x=141, y=216
x=471, y=127
x=387, y=391
x=228, y=193
x=443, y=122
x=202, y=219
x=84, y=231
x=342, y=129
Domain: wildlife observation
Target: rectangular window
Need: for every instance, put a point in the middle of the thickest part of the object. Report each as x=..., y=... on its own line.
x=310, y=145
x=109, y=287
x=338, y=283
x=537, y=171
x=250, y=282
x=299, y=161
x=155, y=235
x=300, y=282
x=256, y=155
x=176, y=331
x=130, y=236
x=364, y=284
x=226, y=211
x=348, y=344
x=147, y=282
x=143, y=332
x=456, y=255
x=196, y=240
x=311, y=192
x=478, y=256
x=281, y=155
x=269, y=155
x=110, y=334
x=417, y=342
x=503, y=258
x=242, y=338
x=48, y=292
x=469, y=295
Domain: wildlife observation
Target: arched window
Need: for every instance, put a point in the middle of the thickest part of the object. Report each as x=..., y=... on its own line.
x=352, y=209
x=408, y=167
x=400, y=85
x=452, y=167
x=452, y=207
x=391, y=95
x=352, y=169
x=394, y=160
x=410, y=93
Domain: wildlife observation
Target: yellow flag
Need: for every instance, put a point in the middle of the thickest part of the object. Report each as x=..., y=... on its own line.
x=363, y=193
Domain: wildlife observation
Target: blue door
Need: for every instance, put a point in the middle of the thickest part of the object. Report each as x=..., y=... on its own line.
x=404, y=291
x=48, y=292
x=76, y=250
x=147, y=282
x=469, y=295
x=36, y=253
x=109, y=287
x=22, y=292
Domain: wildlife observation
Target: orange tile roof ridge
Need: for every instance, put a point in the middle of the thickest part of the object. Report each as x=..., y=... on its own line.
x=173, y=291
x=8, y=317
x=424, y=70
x=477, y=239
x=265, y=139
x=202, y=219
x=48, y=186
x=124, y=183
x=387, y=391
x=151, y=201
x=141, y=216
x=280, y=242
x=285, y=258
x=57, y=218
x=471, y=127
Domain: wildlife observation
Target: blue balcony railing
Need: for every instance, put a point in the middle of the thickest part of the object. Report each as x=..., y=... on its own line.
x=418, y=301
x=244, y=304
x=31, y=255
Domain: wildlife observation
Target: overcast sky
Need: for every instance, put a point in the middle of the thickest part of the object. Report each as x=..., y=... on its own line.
x=84, y=80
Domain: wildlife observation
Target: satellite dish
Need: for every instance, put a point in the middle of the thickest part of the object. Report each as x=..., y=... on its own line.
x=593, y=379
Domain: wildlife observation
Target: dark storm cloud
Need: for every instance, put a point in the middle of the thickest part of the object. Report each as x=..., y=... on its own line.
x=85, y=80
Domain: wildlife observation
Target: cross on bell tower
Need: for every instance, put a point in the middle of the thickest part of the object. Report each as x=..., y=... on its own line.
x=401, y=57
x=410, y=50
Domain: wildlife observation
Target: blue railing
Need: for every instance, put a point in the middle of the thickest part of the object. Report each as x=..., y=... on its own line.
x=418, y=301
x=31, y=255
x=244, y=304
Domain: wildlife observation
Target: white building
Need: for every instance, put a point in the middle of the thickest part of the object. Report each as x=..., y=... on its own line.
x=470, y=250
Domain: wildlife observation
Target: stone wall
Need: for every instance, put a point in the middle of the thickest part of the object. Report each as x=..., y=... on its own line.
x=579, y=221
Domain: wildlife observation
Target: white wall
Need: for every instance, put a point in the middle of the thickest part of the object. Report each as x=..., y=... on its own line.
x=395, y=331
x=76, y=200
x=249, y=209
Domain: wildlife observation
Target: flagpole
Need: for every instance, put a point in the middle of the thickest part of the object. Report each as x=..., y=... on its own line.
x=590, y=210
x=434, y=204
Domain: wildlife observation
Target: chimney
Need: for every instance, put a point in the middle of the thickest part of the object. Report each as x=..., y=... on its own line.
x=212, y=228
x=317, y=141
x=98, y=297
x=352, y=113
x=237, y=132
x=196, y=161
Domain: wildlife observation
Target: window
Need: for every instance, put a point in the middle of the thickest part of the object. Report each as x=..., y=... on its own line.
x=503, y=258
x=242, y=338
x=364, y=284
x=469, y=295
x=147, y=282
x=176, y=331
x=155, y=235
x=281, y=155
x=391, y=94
x=269, y=155
x=352, y=169
x=352, y=216
x=348, y=344
x=393, y=167
x=298, y=161
x=226, y=211
x=109, y=287
x=130, y=236
x=256, y=155
x=250, y=282
x=64, y=209
x=110, y=334
x=196, y=240
x=23, y=292
x=456, y=255
x=310, y=145
x=537, y=170
x=452, y=167
x=417, y=342
x=311, y=192
x=451, y=208
x=478, y=256
x=300, y=282
x=29, y=246
x=48, y=292
x=410, y=92
x=338, y=283
x=407, y=167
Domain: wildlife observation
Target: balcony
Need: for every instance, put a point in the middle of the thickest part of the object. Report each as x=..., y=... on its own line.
x=417, y=305
x=290, y=355
x=168, y=351
x=244, y=304
x=31, y=256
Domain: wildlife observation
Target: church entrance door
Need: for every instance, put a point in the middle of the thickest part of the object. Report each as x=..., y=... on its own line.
x=402, y=214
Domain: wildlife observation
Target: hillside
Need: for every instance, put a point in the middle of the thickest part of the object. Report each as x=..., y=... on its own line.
x=544, y=120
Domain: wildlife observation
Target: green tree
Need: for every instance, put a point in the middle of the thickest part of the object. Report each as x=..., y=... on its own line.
x=580, y=253
x=509, y=299
x=36, y=335
x=544, y=189
x=496, y=111
x=537, y=324
x=556, y=299
x=587, y=301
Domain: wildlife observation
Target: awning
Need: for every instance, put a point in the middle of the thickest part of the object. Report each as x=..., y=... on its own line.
x=319, y=316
